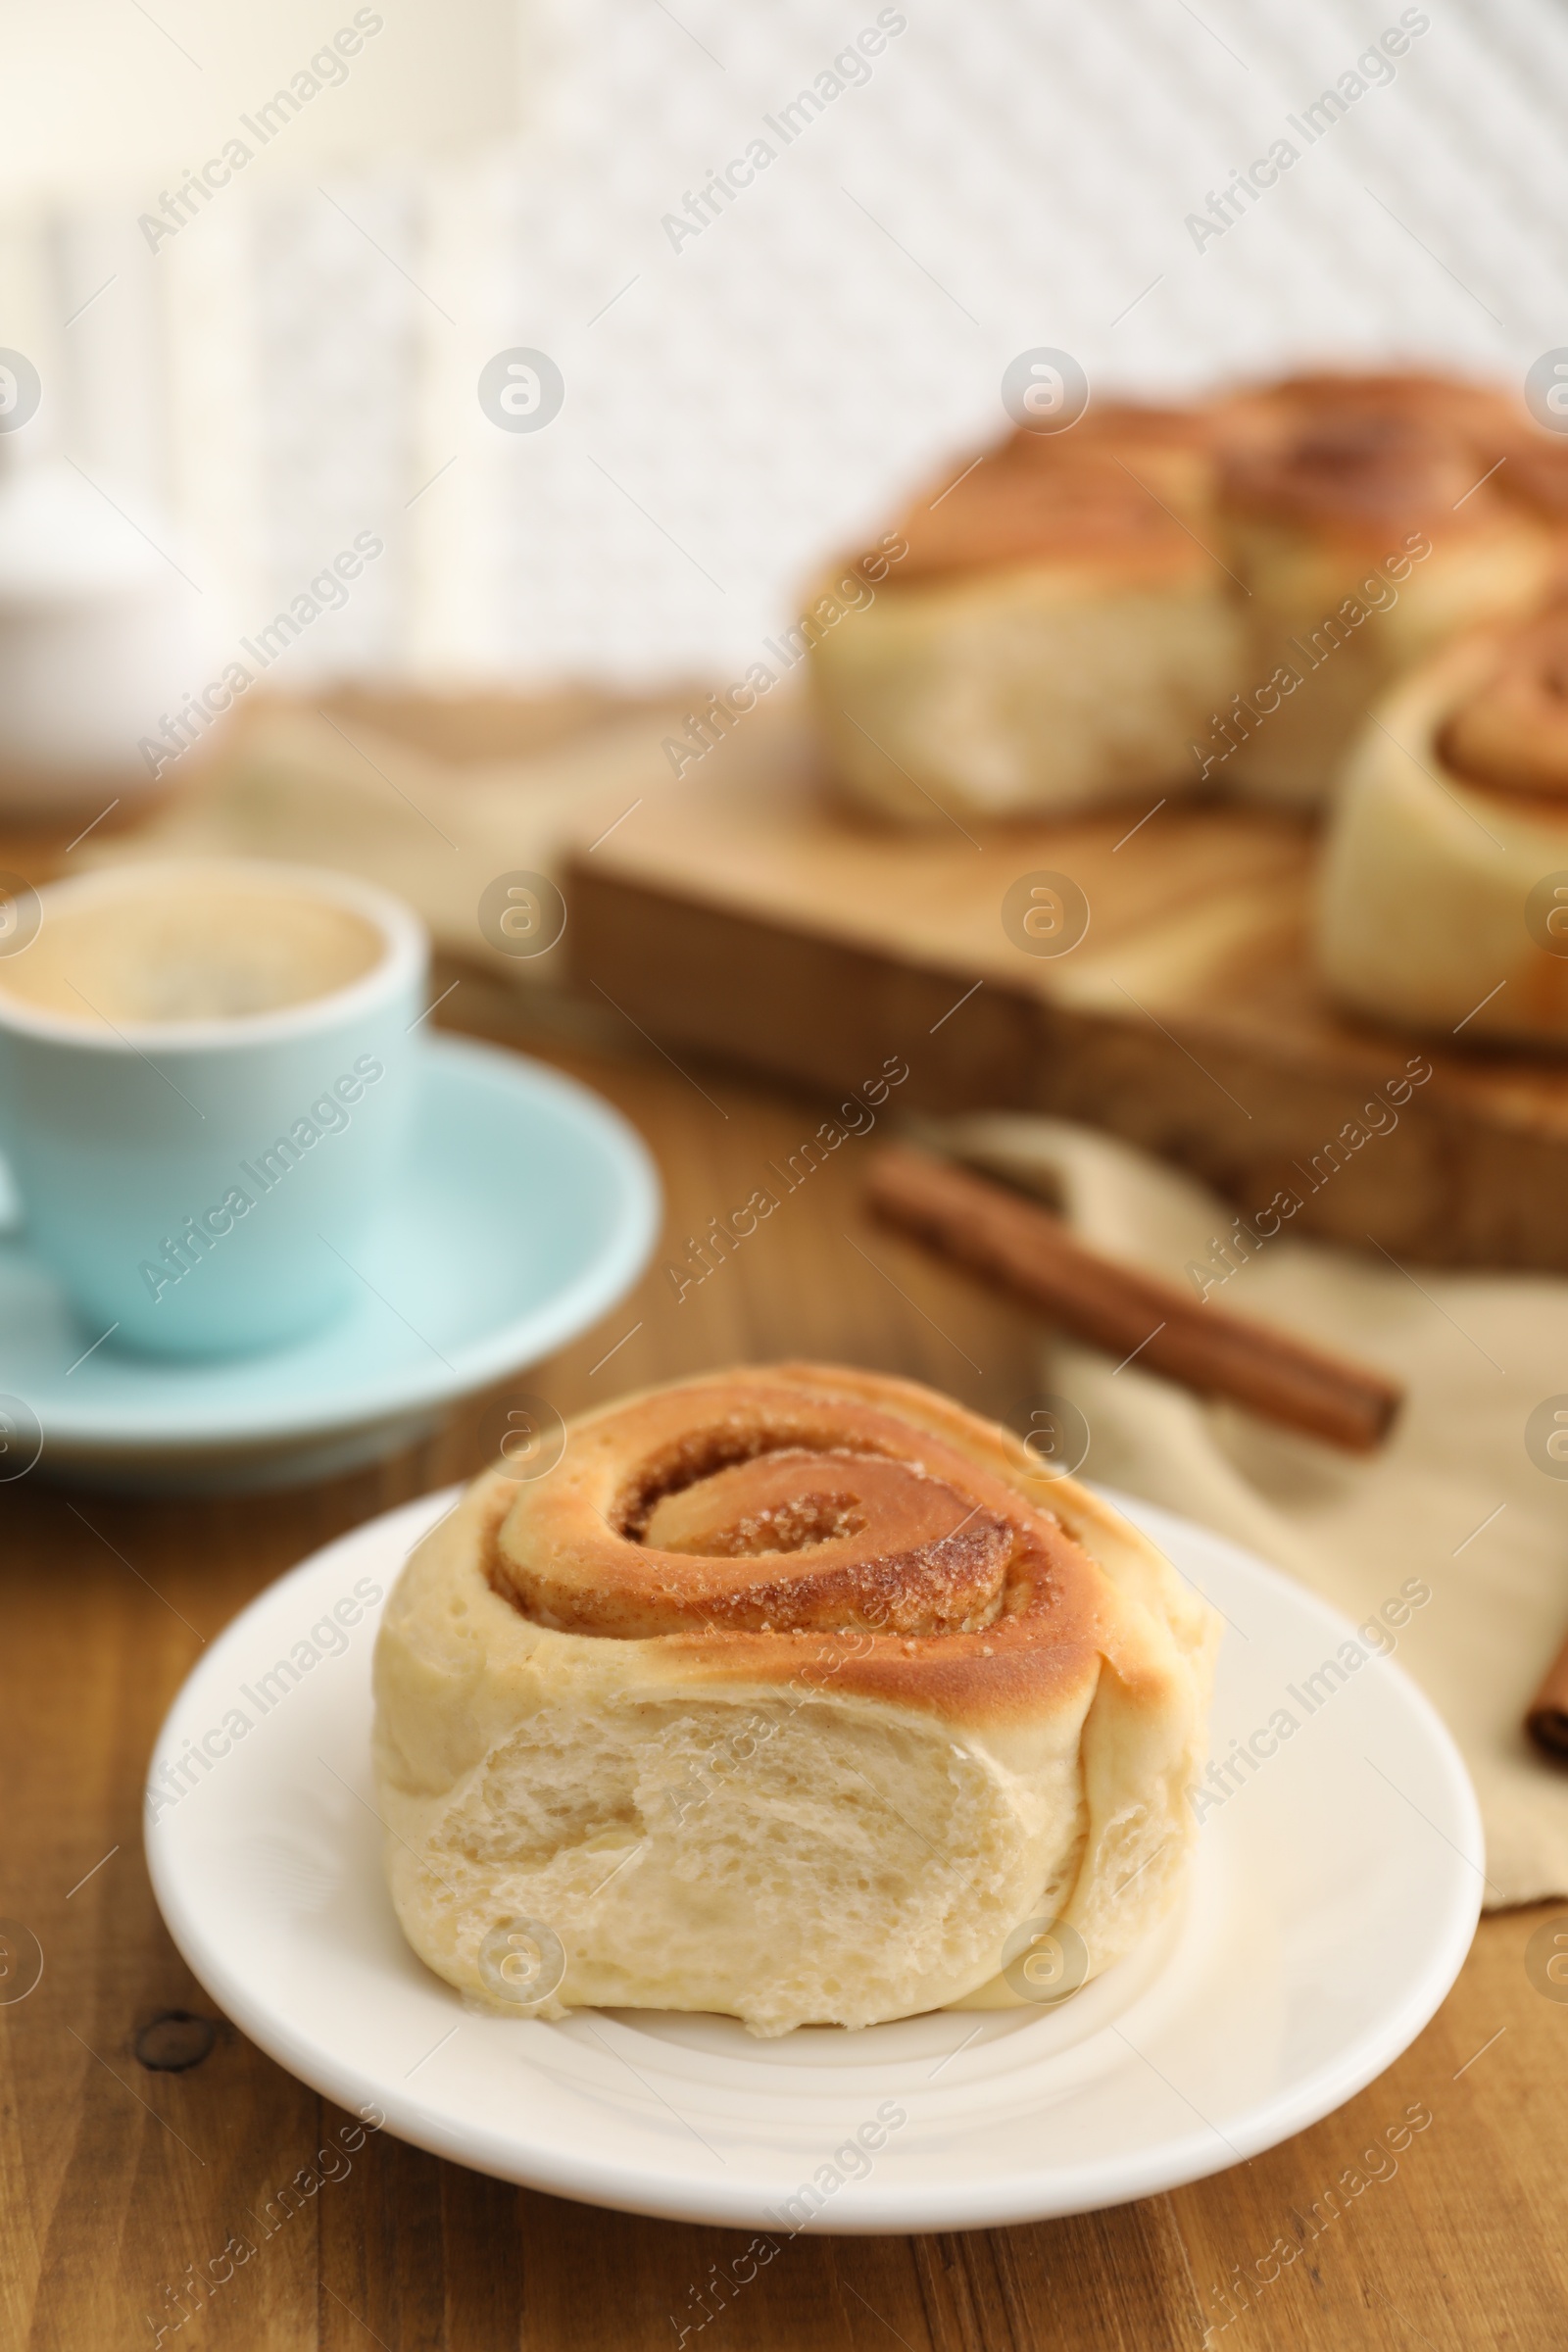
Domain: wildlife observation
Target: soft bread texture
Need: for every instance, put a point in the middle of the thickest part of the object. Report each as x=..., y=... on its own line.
x=789, y=1694
x=1051, y=639
x=1452, y=822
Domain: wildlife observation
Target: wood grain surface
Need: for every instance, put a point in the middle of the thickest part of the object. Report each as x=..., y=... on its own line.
x=1188, y=1015
x=121, y=2182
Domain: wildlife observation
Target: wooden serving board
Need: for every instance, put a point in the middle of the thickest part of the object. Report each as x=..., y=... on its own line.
x=740, y=912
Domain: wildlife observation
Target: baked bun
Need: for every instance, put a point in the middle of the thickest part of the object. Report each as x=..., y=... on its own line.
x=790, y=1693
x=1370, y=518
x=1053, y=639
x=1439, y=904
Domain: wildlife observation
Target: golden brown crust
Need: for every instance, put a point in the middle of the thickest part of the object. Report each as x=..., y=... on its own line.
x=1509, y=732
x=1535, y=475
x=1454, y=403
x=1351, y=456
x=817, y=1527
x=1168, y=454
x=1110, y=492
x=1360, y=455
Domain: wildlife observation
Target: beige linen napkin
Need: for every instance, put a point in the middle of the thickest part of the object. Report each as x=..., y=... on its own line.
x=1453, y=1498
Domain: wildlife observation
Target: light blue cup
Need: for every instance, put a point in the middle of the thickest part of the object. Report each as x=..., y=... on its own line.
x=202, y=1187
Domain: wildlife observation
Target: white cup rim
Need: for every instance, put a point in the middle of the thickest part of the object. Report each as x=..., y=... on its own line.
x=405, y=954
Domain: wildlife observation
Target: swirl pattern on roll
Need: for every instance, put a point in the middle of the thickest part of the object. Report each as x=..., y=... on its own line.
x=1441, y=904
x=742, y=1513
x=1510, y=732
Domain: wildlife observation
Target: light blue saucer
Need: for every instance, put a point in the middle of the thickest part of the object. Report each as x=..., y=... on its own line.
x=528, y=1209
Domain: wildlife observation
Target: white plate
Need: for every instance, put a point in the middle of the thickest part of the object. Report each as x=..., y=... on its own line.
x=528, y=1207
x=1334, y=1899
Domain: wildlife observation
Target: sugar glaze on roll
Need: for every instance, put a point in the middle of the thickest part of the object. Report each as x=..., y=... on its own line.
x=790, y=1693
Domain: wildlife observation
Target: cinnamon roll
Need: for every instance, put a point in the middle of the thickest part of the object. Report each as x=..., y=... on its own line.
x=1445, y=890
x=1369, y=517
x=1056, y=632
x=797, y=1694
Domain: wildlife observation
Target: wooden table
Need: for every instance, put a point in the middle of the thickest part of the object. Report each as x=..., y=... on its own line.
x=120, y=2178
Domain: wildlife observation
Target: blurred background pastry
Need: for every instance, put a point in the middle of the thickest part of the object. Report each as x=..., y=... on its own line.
x=1051, y=637
x=1445, y=891
x=1369, y=519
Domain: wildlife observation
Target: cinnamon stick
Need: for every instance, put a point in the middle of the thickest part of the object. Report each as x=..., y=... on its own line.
x=1025, y=1250
x=1547, y=1716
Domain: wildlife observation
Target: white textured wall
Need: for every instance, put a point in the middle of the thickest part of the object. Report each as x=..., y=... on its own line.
x=1015, y=172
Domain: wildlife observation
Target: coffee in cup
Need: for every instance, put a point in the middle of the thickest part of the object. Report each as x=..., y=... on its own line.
x=184, y=948
x=208, y=1074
